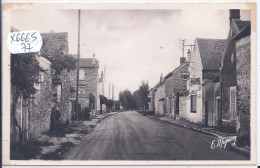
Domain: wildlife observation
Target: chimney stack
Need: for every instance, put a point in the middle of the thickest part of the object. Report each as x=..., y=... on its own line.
x=182, y=60
x=234, y=14
x=189, y=55
x=94, y=59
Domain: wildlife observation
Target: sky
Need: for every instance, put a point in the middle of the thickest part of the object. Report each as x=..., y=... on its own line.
x=134, y=45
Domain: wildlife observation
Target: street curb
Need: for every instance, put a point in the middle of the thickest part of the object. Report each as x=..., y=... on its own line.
x=185, y=126
x=234, y=148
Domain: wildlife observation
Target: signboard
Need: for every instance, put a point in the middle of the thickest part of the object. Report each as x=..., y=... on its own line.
x=185, y=76
x=195, y=81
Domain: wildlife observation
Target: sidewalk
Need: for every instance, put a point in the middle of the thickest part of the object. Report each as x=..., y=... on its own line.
x=206, y=130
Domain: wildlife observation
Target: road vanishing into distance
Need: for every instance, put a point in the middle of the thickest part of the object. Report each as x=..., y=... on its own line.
x=133, y=136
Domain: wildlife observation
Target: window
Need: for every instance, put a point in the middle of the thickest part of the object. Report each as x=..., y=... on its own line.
x=233, y=103
x=81, y=74
x=193, y=108
x=38, y=81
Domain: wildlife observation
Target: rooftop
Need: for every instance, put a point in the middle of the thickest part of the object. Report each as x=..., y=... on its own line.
x=88, y=63
x=211, y=52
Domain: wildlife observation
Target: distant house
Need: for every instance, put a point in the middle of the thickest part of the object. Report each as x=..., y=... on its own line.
x=235, y=76
x=159, y=98
x=88, y=96
x=204, y=63
x=175, y=87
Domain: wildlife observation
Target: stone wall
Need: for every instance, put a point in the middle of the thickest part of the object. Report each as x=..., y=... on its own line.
x=183, y=107
x=243, y=66
x=228, y=77
x=65, y=96
x=39, y=113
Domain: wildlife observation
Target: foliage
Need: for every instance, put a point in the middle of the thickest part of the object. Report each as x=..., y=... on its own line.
x=86, y=113
x=63, y=61
x=25, y=69
x=91, y=101
x=144, y=92
x=137, y=100
x=126, y=99
x=109, y=103
x=103, y=99
x=117, y=105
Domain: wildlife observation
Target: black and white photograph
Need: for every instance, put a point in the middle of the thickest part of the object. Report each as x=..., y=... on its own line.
x=148, y=83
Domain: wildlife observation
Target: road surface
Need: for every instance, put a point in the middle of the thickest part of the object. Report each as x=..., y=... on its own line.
x=132, y=136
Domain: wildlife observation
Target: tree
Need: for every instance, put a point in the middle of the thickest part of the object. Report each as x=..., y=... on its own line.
x=126, y=99
x=103, y=100
x=144, y=92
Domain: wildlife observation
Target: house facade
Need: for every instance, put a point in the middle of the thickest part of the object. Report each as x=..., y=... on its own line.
x=204, y=72
x=243, y=89
x=55, y=44
x=229, y=74
x=88, y=92
x=30, y=116
x=159, y=98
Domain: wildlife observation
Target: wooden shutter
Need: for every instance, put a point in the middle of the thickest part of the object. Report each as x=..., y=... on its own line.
x=232, y=103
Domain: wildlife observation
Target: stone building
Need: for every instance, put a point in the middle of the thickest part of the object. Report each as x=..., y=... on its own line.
x=229, y=71
x=175, y=87
x=88, y=85
x=30, y=117
x=204, y=71
x=55, y=44
x=243, y=91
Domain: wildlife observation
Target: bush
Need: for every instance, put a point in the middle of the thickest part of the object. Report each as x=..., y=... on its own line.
x=56, y=125
x=86, y=112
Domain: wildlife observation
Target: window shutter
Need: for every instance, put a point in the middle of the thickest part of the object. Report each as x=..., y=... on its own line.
x=232, y=103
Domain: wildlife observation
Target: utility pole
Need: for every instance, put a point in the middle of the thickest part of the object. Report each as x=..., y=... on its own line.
x=77, y=86
x=182, y=41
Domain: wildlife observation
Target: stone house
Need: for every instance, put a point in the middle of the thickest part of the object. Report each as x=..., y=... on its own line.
x=243, y=76
x=88, y=85
x=55, y=44
x=159, y=98
x=175, y=87
x=30, y=117
x=231, y=68
x=204, y=62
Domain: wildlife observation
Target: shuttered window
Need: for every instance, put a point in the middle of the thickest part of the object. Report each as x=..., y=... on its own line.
x=193, y=103
x=233, y=103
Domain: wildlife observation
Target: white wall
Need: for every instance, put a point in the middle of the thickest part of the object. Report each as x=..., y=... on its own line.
x=195, y=70
x=160, y=93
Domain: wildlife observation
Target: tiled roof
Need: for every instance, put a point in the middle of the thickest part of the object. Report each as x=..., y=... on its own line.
x=54, y=43
x=87, y=63
x=211, y=52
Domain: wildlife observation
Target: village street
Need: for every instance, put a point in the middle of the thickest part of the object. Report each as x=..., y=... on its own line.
x=132, y=136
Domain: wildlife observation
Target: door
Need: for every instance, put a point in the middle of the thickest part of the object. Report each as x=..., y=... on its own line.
x=206, y=113
x=218, y=110
x=177, y=104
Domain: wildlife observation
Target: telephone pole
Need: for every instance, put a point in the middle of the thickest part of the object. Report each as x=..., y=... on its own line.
x=77, y=86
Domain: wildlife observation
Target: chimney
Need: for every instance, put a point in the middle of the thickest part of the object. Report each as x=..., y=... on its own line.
x=182, y=60
x=94, y=59
x=189, y=55
x=161, y=78
x=234, y=14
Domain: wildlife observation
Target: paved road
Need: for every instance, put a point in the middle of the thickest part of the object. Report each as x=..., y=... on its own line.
x=132, y=136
